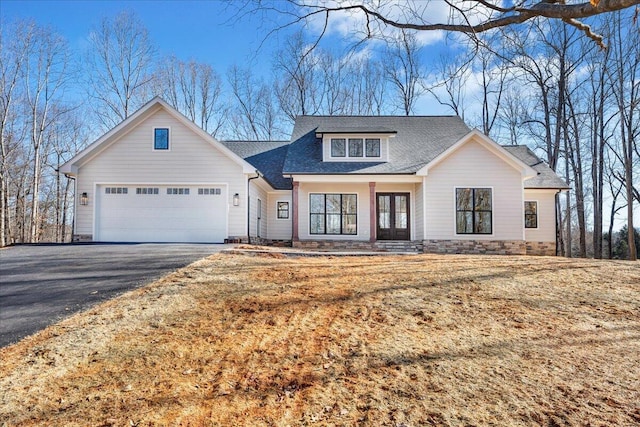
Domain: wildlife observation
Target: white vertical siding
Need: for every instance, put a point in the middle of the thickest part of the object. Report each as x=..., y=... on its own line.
x=132, y=160
x=474, y=166
x=546, y=231
x=279, y=229
x=418, y=212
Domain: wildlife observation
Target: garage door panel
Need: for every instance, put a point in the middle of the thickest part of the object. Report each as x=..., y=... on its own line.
x=162, y=217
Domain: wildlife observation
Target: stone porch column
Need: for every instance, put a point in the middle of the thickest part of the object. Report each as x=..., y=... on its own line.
x=294, y=196
x=372, y=212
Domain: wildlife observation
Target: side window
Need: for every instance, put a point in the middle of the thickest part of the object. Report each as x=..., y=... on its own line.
x=161, y=138
x=530, y=214
x=283, y=210
x=473, y=211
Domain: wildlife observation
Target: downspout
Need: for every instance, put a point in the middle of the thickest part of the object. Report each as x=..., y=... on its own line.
x=555, y=205
x=73, y=221
x=249, y=206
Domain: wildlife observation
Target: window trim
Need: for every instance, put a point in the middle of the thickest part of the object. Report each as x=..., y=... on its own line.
x=525, y=214
x=342, y=214
x=278, y=210
x=455, y=210
x=153, y=138
x=329, y=153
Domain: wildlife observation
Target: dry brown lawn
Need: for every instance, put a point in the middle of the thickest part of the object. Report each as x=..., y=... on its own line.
x=395, y=341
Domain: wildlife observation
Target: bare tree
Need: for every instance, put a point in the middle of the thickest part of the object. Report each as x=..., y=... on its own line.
x=195, y=89
x=470, y=17
x=13, y=55
x=404, y=71
x=120, y=63
x=253, y=114
x=298, y=86
x=625, y=83
x=45, y=73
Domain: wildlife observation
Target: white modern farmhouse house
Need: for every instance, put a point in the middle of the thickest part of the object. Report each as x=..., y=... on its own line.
x=383, y=182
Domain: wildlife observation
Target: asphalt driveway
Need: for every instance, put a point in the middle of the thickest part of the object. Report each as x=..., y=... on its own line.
x=42, y=284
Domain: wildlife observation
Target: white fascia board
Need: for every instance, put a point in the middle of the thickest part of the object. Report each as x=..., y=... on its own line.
x=353, y=178
x=495, y=148
x=71, y=166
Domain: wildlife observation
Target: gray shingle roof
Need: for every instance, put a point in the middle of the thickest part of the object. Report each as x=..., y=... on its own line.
x=265, y=156
x=546, y=177
x=419, y=140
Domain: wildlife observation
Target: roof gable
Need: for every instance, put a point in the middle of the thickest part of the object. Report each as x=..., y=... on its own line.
x=490, y=145
x=146, y=111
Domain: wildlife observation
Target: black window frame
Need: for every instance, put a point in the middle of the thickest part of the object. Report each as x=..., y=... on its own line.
x=325, y=214
x=279, y=211
x=355, y=146
x=533, y=215
x=156, y=140
x=474, y=211
x=344, y=147
x=367, y=142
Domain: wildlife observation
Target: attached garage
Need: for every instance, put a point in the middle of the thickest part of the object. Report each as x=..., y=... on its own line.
x=161, y=213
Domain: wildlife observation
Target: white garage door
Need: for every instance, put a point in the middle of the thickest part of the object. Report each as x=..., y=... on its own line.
x=152, y=213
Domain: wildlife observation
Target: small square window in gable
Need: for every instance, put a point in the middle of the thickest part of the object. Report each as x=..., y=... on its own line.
x=161, y=138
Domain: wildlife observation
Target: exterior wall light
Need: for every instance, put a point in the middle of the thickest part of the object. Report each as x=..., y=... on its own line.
x=236, y=199
x=84, y=199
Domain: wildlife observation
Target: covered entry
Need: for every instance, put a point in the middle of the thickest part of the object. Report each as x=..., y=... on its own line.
x=392, y=216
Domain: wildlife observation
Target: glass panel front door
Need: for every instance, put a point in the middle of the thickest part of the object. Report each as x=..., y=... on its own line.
x=392, y=216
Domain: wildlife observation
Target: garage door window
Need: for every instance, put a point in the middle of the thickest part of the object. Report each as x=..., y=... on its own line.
x=147, y=190
x=116, y=190
x=209, y=191
x=178, y=191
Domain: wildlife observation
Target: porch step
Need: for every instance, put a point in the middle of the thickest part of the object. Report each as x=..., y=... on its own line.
x=414, y=246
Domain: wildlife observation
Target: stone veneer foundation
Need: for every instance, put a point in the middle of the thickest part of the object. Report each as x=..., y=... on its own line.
x=541, y=248
x=493, y=247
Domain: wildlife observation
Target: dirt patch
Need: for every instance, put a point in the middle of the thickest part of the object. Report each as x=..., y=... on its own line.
x=419, y=340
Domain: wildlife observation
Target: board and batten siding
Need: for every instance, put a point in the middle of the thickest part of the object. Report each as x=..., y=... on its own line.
x=473, y=166
x=279, y=229
x=546, y=231
x=189, y=160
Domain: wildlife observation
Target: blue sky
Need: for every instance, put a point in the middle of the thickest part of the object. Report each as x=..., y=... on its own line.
x=206, y=31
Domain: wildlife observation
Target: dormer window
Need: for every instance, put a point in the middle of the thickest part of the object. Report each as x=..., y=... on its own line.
x=372, y=146
x=338, y=147
x=367, y=146
x=355, y=147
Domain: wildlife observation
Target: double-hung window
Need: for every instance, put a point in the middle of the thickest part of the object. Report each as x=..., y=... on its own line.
x=333, y=213
x=474, y=211
x=530, y=214
x=283, y=210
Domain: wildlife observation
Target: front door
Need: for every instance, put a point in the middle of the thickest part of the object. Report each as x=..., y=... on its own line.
x=392, y=216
